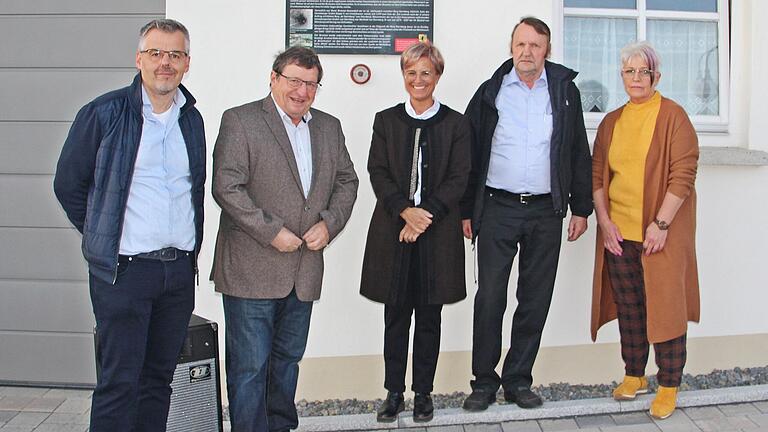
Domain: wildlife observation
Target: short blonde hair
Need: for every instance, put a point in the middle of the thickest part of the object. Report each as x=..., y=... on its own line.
x=422, y=49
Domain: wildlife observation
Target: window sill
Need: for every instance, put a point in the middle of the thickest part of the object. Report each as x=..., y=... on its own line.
x=734, y=156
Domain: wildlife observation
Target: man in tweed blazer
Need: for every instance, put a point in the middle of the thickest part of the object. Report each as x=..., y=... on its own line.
x=286, y=187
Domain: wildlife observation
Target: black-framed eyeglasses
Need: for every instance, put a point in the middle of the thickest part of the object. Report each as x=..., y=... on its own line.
x=156, y=54
x=631, y=72
x=294, y=82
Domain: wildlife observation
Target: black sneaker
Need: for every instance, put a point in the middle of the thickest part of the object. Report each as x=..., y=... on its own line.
x=423, y=409
x=523, y=397
x=393, y=405
x=479, y=400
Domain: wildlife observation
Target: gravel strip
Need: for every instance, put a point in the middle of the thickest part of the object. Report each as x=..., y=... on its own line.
x=554, y=392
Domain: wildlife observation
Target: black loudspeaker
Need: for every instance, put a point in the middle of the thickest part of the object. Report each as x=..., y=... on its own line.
x=196, y=397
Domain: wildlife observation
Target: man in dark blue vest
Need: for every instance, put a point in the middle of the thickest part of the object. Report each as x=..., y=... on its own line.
x=131, y=179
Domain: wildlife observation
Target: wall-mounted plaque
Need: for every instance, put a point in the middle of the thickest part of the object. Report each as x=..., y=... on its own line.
x=358, y=26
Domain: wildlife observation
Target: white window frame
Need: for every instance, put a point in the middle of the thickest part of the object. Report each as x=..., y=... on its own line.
x=711, y=124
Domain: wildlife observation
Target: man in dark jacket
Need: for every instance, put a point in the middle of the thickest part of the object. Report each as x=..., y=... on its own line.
x=530, y=162
x=131, y=179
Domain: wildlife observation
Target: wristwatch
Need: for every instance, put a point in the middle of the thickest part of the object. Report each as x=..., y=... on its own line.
x=661, y=224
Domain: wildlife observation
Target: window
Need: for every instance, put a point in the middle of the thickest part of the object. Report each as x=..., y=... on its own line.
x=689, y=35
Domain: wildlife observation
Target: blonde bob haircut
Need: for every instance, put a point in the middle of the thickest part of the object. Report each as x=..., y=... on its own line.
x=419, y=50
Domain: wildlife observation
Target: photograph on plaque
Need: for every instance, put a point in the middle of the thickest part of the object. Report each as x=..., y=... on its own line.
x=358, y=26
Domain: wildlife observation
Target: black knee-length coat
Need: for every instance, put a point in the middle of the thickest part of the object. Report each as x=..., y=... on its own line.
x=445, y=169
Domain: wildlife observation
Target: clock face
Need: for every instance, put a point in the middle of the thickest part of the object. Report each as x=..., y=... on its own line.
x=360, y=74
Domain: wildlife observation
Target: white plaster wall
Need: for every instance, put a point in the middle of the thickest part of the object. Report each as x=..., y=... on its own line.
x=234, y=43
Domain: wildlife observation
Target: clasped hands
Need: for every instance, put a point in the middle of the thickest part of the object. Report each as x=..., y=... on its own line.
x=316, y=238
x=655, y=238
x=417, y=220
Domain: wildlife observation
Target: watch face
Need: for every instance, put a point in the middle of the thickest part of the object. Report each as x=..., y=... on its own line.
x=662, y=225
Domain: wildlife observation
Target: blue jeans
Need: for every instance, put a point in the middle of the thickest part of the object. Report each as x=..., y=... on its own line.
x=141, y=324
x=265, y=340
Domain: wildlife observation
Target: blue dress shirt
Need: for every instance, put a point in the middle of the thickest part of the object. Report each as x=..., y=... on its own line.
x=159, y=211
x=301, y=144
x=520, y=146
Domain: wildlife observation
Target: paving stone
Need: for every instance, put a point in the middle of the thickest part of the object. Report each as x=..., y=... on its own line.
x=456, y=428
x=738, y=409
x=74, y=406
x=404, y=430
x=67, y=393
x=725, y=424
x=6, y=416
x=759, y=419
x=7, y=428
x=14, y=403
x=27, y=419
x=43, y=404
x=703, y=413
x=595, y=421
x=482, y=428
x=647, y=427
x=677, y=422
x=61, y=428
x=632, y=418
x=589, y=429
x=558, y=424
x=23, y=391
x=762, y=406
x=67, y=418
x=521, y=426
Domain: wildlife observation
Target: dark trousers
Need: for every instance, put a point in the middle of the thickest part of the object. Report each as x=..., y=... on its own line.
x=426, y=346
x=626, y=275
x=265, y=340
x=536, y=230
x=142, y=321
x=426, y=334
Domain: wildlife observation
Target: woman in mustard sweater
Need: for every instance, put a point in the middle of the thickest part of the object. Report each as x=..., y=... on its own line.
x=644, y=168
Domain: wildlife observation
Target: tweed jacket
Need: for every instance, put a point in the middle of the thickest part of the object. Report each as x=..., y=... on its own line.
x=670, y=276
x=256, y=182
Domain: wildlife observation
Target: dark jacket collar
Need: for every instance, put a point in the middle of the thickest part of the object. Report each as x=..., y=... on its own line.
x=556, y=74
x=134, y=96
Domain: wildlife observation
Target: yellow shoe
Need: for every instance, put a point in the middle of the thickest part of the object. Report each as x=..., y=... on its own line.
x=664, y=403
x=630, y=387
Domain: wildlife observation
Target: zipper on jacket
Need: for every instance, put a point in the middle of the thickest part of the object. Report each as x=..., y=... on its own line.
x=125, y=200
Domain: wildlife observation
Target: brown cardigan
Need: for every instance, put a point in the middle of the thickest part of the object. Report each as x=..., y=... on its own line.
x=670, y=276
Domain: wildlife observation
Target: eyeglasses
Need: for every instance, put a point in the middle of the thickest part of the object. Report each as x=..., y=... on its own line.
x=158, y=54
x=412, y=74
x=297, y=82
x=631, y=72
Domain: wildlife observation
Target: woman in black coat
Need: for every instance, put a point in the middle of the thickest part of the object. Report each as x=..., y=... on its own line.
x=414, y=255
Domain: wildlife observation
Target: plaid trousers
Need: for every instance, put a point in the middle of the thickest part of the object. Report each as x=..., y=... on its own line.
x=626, y=276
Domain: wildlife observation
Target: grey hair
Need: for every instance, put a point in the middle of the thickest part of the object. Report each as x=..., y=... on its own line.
x=166, y=26
x=645, y=51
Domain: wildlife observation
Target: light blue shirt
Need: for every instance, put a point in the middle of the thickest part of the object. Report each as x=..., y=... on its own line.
x=427, y=114
x=298, y=135
x=159, y=211
x=521, y=142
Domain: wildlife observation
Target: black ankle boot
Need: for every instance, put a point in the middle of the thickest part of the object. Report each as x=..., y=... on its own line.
x=391, y=407
x=423, y=409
